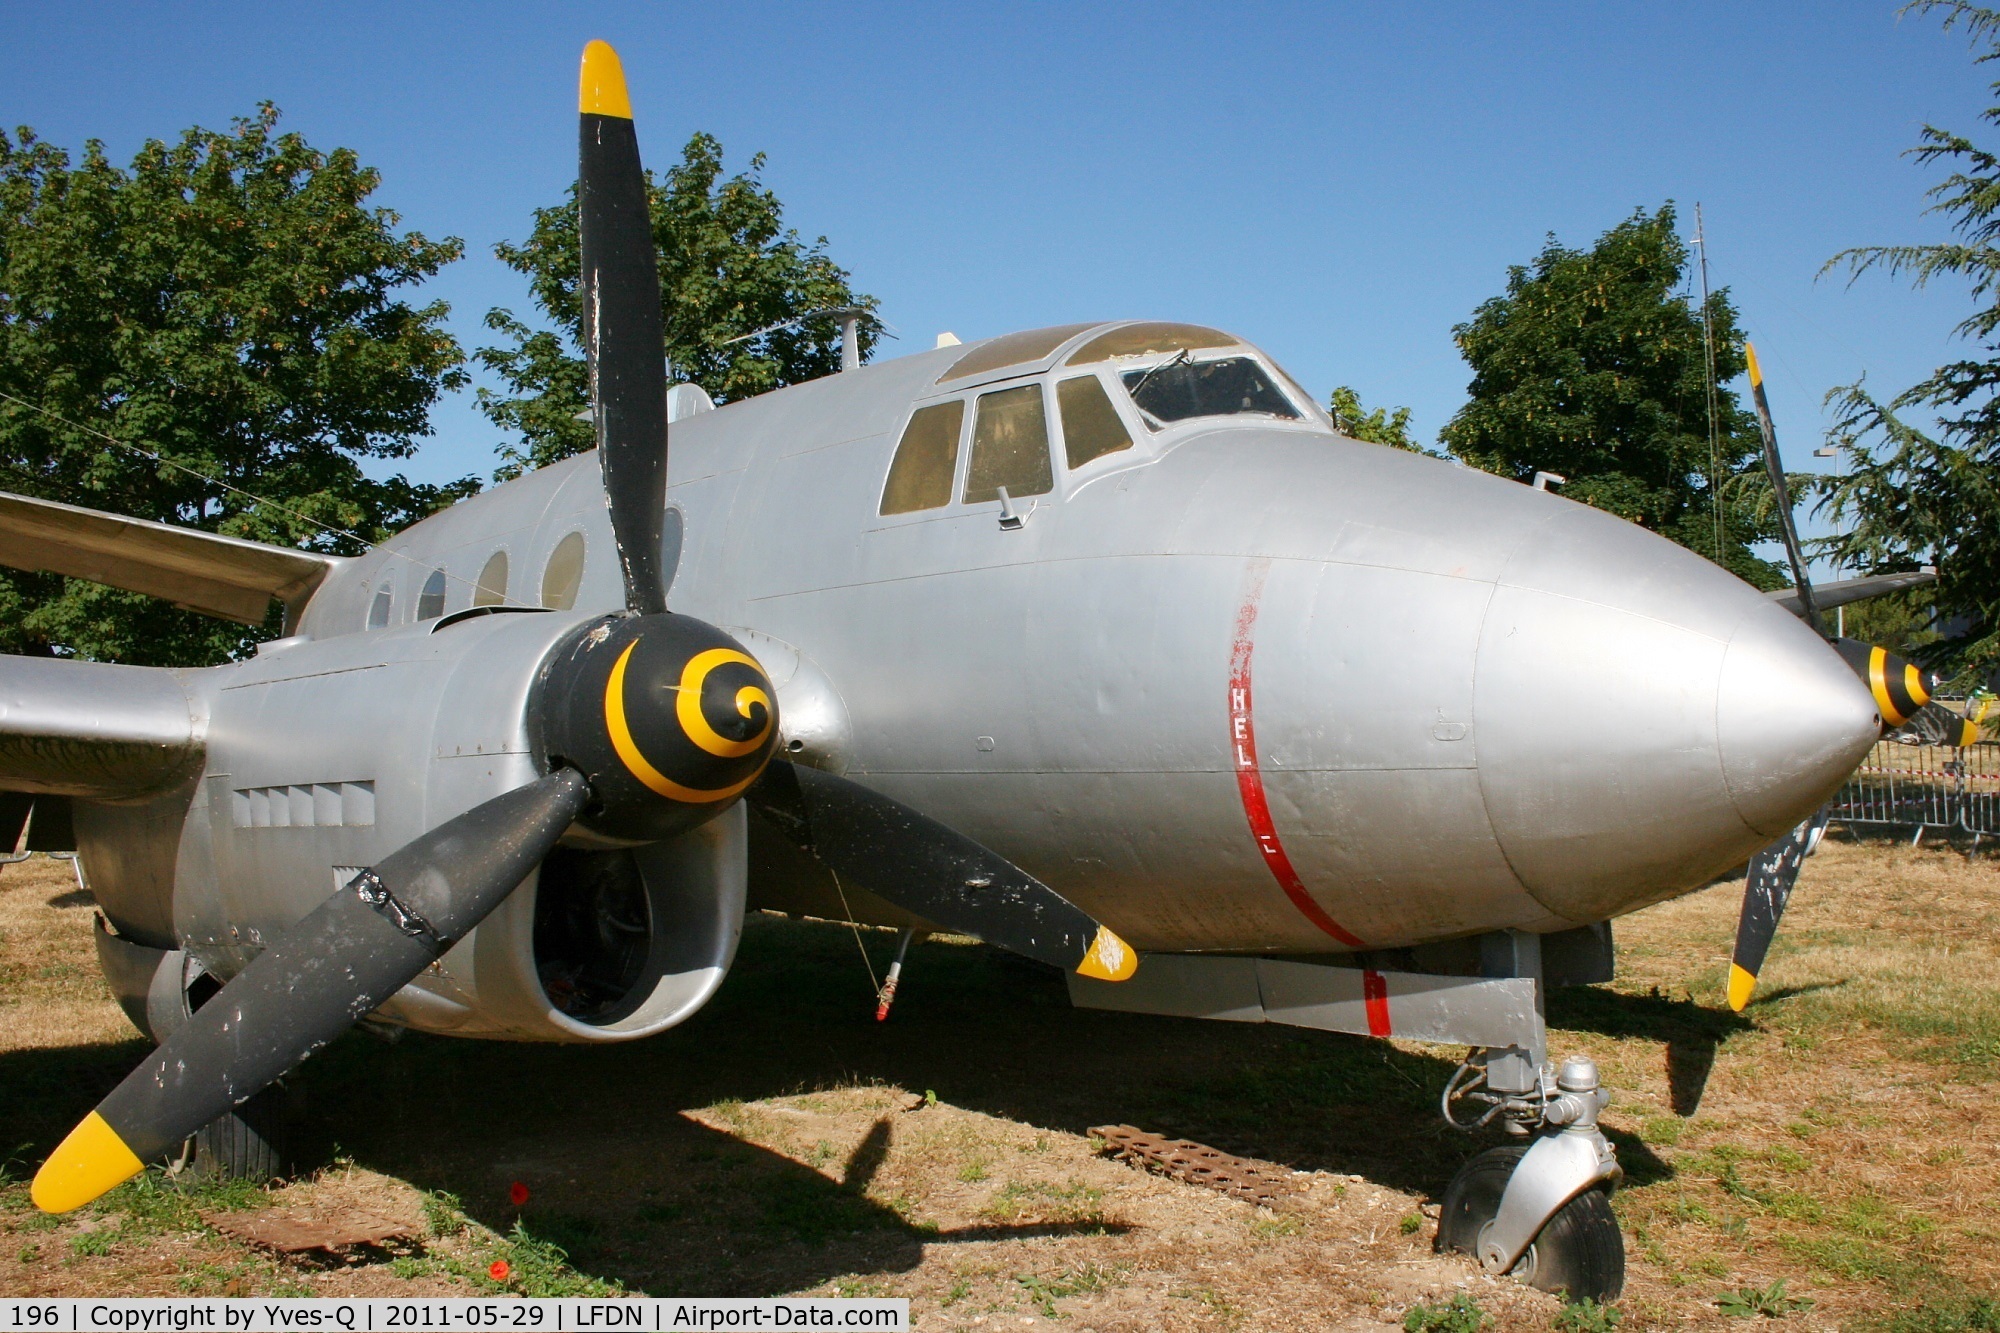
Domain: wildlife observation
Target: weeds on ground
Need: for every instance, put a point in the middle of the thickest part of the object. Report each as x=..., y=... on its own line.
x=216, y=1277
x=1273, y=1225
x=1770, y=1302
x=92, y=1244
x=1587, y=1316
x=1046, y=1291
x=1074, y=1202
x=1460, y=1314
x=444, y=1214
x=537, y=1266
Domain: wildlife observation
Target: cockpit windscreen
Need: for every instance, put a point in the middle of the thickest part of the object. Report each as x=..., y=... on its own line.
x=1180, y=389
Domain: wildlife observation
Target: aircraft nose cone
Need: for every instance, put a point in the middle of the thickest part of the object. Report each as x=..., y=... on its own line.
x=1792, y=720
x=1645, y=719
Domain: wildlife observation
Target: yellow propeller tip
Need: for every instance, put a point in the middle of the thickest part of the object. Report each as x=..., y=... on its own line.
x=90, y=1161
x=1750, y=358
x=1109, y=958
x=1741, y=985
x=601, y=88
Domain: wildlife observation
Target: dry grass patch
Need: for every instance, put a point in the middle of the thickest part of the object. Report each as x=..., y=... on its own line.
x=51, y=994
x=1836, y=1139
x=1841, y=1136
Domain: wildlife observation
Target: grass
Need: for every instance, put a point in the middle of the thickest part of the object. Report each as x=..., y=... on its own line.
x=1768, y=1302
x=1460, y=1314
x=1587, y=1316
x=1833, y=1138
x=1041, y=1201
x=1045, y=1291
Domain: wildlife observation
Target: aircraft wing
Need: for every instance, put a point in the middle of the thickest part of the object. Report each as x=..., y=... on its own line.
x=226, y=577
x=1826, y=596
x=93, y=730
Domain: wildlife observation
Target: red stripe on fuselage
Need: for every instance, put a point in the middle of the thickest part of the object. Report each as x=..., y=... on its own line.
x=1375, y=994
x=1250, y=782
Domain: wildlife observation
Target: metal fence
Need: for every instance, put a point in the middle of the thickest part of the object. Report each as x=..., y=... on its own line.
x=1909, y=783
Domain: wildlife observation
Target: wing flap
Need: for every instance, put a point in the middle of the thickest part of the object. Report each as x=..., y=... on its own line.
x=226, y=577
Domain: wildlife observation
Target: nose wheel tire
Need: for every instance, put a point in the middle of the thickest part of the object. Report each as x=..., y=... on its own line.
x=1579, y=1251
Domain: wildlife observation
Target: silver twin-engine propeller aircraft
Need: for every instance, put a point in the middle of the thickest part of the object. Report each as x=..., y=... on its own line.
x=1097, y=642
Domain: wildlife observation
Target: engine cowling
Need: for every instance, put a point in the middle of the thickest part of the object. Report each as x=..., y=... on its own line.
x=326, y=756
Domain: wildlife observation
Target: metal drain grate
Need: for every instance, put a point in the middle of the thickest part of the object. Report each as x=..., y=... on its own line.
x=1198, y=1164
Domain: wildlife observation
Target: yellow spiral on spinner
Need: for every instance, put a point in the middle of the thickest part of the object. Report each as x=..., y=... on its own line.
x=687, y=703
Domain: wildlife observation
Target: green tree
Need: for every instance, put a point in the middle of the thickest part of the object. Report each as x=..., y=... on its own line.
x=229, y=305
x=728, y=267
x=1382, y=426
x=1592, y=365
x=1914, y=496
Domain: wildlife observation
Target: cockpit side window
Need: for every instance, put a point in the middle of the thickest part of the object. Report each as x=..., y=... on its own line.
x=1010, y=446
x=920, y=477
x=1180, y=389
x=1090, y=424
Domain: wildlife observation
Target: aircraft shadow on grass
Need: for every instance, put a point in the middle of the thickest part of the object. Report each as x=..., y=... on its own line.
x=1691, y=1032
x=634, y=1190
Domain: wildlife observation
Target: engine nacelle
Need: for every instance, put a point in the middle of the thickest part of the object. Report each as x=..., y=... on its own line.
x=602, y=944
x=324, y=757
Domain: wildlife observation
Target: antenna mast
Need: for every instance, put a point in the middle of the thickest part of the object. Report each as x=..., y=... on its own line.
x=1708, y=378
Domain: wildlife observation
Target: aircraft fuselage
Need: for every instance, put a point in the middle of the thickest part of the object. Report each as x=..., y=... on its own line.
x=1245, y=686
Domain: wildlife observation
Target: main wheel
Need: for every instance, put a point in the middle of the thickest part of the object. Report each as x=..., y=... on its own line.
x=1578, y=1251
x=250, y=1142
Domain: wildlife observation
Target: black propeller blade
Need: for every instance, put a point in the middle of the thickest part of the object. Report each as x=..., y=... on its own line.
x=1898, y=686
x=934, y=871
x=654, y=722
x=1773, y=872
x=621, y=326
x=355, y=950
x=1780, y=492
x=1900, y=693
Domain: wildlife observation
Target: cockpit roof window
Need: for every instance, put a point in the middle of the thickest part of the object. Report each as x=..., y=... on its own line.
x=1149, y=339
x=1012, y=350
x=1180, y=389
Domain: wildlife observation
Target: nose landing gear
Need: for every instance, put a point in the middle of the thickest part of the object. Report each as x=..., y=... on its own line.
x=1539, y=1209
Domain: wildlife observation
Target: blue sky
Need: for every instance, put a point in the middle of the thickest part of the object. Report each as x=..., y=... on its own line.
x=1339, y=183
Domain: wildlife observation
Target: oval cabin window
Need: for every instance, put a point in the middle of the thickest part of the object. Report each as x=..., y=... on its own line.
x=430, y=602
x=563, y=575
x=492, y=589
x=671, y=532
